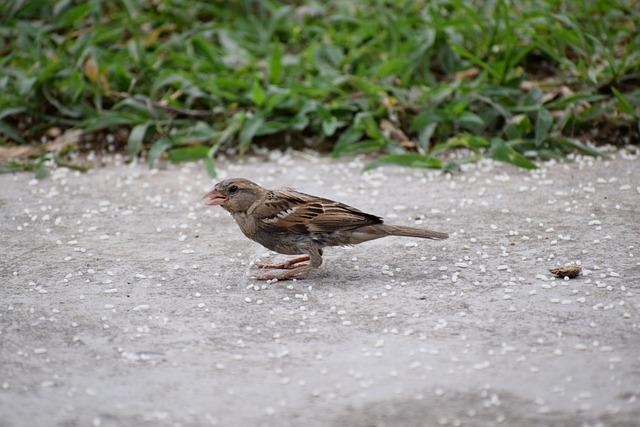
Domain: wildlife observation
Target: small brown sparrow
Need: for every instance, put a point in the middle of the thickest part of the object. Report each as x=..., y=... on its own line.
x=294, y=223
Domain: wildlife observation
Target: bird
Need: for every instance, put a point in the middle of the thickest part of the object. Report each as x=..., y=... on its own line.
x=294, y=223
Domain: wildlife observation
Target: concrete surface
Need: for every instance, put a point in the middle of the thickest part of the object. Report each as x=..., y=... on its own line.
x=124, y=301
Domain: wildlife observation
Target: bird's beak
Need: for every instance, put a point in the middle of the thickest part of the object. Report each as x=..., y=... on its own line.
x=214, y=197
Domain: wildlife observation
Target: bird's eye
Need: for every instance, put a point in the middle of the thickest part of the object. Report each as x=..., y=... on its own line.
x=233, y=189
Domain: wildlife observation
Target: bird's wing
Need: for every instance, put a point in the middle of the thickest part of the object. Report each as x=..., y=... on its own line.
x=302, y=213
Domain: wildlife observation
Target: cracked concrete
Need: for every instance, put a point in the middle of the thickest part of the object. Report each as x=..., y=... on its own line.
x=127, y=302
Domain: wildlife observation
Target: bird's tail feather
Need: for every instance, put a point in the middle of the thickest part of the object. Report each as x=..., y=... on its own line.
x=399, y=230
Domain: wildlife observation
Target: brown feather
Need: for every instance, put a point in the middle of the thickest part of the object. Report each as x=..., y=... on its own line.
x=306, y=214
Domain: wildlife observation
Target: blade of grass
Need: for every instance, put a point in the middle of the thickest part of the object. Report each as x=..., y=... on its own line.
x=408, y=160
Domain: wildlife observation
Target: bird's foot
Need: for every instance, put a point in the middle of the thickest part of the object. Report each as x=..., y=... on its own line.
x=295, y=273
x=278, y=277
x=289, y=264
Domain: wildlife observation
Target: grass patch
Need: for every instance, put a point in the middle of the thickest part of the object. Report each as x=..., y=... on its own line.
x=406, y=80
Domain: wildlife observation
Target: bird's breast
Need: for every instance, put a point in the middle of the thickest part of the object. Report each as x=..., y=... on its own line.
x=246, y=223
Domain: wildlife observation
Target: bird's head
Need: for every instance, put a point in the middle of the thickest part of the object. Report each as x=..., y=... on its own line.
x=236, y=195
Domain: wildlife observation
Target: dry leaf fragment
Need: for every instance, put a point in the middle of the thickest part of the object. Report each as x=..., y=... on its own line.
x=468, y=73
x=70, y=137
x=391, y=131
x=93, y=73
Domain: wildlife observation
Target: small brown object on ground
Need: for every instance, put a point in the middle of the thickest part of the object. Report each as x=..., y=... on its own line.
x=570, y=271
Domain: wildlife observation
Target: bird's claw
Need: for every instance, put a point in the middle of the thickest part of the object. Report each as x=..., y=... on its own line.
x=277, y=277
x=278, y=266
x=286, y=265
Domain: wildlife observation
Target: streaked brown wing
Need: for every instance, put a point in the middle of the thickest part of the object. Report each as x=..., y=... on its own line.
x=306, y=214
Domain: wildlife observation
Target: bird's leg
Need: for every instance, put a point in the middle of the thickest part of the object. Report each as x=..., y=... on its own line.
x=297, y=272
x=284, y=265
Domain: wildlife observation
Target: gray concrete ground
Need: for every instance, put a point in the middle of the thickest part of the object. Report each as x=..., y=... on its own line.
x=124, y=301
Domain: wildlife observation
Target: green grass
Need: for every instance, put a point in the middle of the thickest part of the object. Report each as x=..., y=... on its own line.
x=517, y=81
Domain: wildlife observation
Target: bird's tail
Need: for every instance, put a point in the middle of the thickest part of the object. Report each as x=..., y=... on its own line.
x=399, y=230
